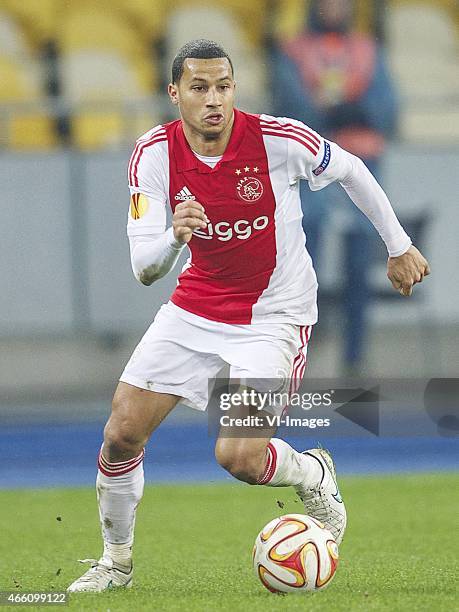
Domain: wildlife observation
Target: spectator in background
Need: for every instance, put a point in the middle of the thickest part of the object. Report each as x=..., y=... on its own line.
x=336, y=81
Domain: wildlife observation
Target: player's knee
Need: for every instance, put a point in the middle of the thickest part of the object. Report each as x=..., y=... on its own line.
x=123, y=439
x=241, y=463
x=120, y=443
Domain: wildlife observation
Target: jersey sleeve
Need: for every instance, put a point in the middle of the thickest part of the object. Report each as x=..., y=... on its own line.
x=313, y=158
x=321, y=162
x=148, y=177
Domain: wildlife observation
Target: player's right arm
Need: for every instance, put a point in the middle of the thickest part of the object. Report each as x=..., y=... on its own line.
x=155, y=250
x=188, y=216
x=154, y=255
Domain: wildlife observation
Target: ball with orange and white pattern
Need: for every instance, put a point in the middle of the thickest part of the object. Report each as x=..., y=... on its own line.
x=295, y=553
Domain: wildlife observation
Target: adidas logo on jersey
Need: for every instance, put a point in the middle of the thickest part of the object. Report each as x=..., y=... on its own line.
x=184, y=194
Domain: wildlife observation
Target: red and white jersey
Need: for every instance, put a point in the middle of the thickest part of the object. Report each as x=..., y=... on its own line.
x=250, y=263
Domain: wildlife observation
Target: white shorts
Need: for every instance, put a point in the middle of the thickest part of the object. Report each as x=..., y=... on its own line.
x=182, y=353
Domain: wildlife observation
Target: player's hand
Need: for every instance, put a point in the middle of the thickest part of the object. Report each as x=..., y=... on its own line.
x=407, y=270
x=188, y=216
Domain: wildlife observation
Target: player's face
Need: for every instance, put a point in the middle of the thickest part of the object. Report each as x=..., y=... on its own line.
x=205, y=95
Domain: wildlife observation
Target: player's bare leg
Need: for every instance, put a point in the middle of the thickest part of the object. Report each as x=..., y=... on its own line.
x=256, y=457
x=136, y=413
x=242, y=451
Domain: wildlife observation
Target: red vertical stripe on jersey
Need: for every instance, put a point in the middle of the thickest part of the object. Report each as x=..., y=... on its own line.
x=299, y=363
x=234, y=258
x=299, y=356
x=302, y=368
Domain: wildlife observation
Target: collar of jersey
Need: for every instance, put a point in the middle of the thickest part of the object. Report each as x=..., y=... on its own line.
x=187, y=160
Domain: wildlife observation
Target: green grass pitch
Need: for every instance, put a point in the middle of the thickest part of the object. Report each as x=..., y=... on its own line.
x=194, y=543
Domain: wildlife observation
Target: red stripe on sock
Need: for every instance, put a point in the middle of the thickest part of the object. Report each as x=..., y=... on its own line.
x=119, y=472
x=271, y=465
x=267, y=467
x=120, y=468
x=118, y=464
x=121, y=465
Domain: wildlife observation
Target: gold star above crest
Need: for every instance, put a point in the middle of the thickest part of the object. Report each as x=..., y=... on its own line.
x=255, y=169
x=238, y=172
x=246, y=169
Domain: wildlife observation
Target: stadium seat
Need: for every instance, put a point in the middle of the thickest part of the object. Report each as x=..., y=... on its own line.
x=251, y=17
x=37, y=17
x=19, y=81
x=98, y=84
x=96, y=75
x=109, y=129
x=104, y=64
x=220, y=25
x=29, y=131
x=96, y=29
x=25, y=123
x=147, y=17
x=12, y=41
x=97, y=129
x=427, y=73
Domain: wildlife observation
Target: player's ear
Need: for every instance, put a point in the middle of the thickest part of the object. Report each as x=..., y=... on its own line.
x=172, y=90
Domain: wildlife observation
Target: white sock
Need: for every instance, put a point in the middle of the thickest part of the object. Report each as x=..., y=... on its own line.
x=119, y=491
x=285, y=466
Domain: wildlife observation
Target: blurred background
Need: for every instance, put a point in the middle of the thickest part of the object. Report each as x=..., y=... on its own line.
x=81, y=80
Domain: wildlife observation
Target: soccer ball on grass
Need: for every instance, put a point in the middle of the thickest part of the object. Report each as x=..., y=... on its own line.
x=294, y=554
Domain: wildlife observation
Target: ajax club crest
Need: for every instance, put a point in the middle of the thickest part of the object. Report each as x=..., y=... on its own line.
x=249, y=188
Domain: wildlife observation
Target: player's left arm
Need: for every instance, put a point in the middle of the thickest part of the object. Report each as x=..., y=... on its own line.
x=406, y=265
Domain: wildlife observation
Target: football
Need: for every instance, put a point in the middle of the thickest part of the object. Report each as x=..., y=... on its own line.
x=295, y=554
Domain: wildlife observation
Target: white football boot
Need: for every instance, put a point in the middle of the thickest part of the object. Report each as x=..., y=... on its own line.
x=102, y=575
x=322, y=499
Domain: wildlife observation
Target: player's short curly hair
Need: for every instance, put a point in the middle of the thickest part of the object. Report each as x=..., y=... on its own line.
x=198, y=49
